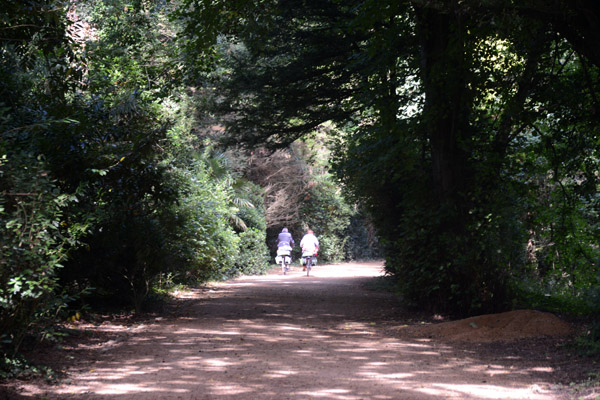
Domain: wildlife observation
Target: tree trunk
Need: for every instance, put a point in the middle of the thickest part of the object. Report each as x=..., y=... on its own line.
x=447, y=99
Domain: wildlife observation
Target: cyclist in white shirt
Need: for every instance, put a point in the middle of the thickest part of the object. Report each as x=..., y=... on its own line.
x=309, y=245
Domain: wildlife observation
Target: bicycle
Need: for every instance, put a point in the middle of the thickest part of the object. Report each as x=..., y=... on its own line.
x=284, y=258
x=309, y=260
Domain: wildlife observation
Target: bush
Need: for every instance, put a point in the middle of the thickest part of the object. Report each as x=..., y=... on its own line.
x=254, y=216
x=331, y=248
x=204, y=245
x=361, y=241
x=253, y=255
x=121, y=257
x=18, y=367
x=326, y=212
x=36, y=237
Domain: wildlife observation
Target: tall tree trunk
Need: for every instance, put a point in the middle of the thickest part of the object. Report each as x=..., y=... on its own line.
x=447, y=100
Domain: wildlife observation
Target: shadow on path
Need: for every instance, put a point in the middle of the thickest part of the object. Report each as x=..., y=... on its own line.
x=289, y=337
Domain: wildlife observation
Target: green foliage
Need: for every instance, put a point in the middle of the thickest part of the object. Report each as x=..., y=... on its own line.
x=17, y=367
x=467, y=133
x=207, y=240
x=440, y=112
x=589, y=343
x=254, y=217
x=129, y=188
x=100, y=187
x=253, y=256
x=205, y=24
x=133, y=53
x=331, y=248
x=209, y=245
x=323, y=208
x=530, y=294
x=326, y=212
x=37, y=227
x=37, y=236
x=361, y=238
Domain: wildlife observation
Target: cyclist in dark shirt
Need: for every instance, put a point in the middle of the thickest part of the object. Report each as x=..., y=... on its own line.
x=285, y=239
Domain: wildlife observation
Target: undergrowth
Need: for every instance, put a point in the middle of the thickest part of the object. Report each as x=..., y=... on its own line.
x=386, y=283
x=18, y=367
x=588, y=344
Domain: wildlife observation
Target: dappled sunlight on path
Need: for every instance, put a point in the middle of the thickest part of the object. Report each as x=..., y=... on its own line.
x=290, y=337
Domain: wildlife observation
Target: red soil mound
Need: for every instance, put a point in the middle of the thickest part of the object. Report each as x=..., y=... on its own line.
x=503, y=327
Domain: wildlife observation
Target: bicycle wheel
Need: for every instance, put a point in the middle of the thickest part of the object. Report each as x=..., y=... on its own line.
x=308, y=265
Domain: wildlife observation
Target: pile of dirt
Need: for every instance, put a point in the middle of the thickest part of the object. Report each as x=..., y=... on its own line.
x=503, y=327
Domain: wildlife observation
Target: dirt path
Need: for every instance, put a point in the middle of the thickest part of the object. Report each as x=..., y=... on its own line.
x=327, y=336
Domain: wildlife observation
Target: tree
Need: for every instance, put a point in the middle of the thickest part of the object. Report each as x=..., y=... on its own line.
x=102, y=183
x=37, y=233
x=436, y=99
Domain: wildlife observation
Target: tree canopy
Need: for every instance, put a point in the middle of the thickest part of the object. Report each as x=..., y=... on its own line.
x=146, y=144
x=112, y=188
x=457, y=124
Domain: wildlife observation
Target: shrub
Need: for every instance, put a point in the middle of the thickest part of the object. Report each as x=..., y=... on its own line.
x=331, y=248
x=36, y=237
x=253, y=256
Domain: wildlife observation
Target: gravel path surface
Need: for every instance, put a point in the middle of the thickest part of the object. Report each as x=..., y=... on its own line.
x=327, y=336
